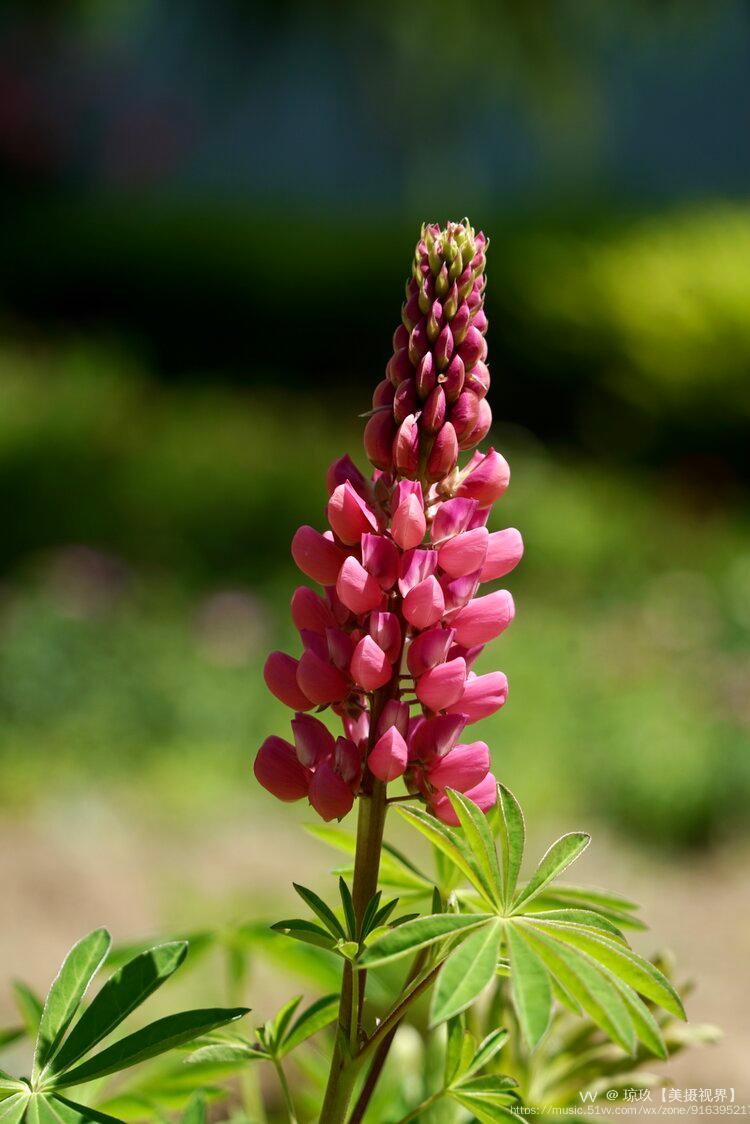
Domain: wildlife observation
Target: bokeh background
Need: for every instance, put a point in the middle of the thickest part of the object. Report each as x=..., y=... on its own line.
x=207, y=213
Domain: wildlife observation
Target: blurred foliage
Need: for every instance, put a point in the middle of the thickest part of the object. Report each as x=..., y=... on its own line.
x=147, y=574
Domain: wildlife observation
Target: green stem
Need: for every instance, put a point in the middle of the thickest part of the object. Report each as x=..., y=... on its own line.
x=344, y=1067
x=286, y=1091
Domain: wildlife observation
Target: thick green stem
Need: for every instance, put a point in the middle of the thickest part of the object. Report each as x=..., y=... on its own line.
x=344, y=1068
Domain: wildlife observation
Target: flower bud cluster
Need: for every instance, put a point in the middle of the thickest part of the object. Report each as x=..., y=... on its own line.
x=433, y=402
x=390, y=642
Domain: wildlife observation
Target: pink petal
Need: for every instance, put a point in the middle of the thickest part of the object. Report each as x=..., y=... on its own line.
x=504, y=551
x=321, y=681
x=484, y=618
x=276, y=767
x=313, y=741
x=388, y=757
x=416, y=565
x=316, y=555
x=309, y=610
x=369, y=667
x=451, y=518
x=484, y=796
x=424, y=604
x=434, y=737
x=381, y=558
x=486, y=479
x=464, y=553
x=409, y=524
x=357, y=589
x=429, y=649
x=462, y=768
x=349, y=515
x=329, y=795
x=385, y=629
x=280, y=674
x=442, y=686
x=483, y=695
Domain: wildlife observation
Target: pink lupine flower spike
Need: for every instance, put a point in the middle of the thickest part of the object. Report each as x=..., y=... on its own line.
x=402, y=611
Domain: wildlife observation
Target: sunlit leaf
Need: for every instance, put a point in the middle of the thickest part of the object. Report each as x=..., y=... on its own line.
x=446, y=841
x=323, y=911
x=478, y=836
x=13, y=1108
x=66, y=992
x=530, y=986
x=306, y=931
x=559, y=856
x=318, y=1015
x=156, y=1038
x=511, y=836
x=486, y=1050
x=466, y=972
x=124, y=991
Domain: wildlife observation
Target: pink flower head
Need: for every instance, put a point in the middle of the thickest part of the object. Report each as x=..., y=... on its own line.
x=401, y=567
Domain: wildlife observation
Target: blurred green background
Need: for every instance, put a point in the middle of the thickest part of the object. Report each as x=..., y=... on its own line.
x=207, y=214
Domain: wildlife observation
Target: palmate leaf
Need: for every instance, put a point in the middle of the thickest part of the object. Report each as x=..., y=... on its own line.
x=29, y=1007
x=306, y=931
x=323, y=911
x=486, y=1051
x=125, y=990
x=560, y=944
x=66, y=992
x=156, y=1038
x=466, y=972
x=488, y=1098
x=395, y=869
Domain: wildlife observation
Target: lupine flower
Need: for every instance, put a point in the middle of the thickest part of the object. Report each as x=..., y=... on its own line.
x=389, y=643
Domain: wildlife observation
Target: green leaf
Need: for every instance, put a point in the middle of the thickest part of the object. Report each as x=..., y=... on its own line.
x=306, y=931
x=319, y=1014
x=530, y=985
x=454, y=1049
x=479, y=838
x=642, y=976
x=125, y=990
x=446, y=841
x=156, y=1038
x=195, y=1113
x=370, y=911
x=29, y=1006
x=323, y=911
x=646, y=1027
x=66, y=992
x=13, y=1108
x=233, y=1055
x=383, y=914
x=580, y=918
x=466, y=972
x=45, y=1109
x=420, y=933
x=559, y=856
x=349, y=915
x=486, y=1050
x=8, y=1082
x=395, y=869
x=487, y=1098
x=283, y=1017
x=566, y=897
x=580, y=977
x=512, y=837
